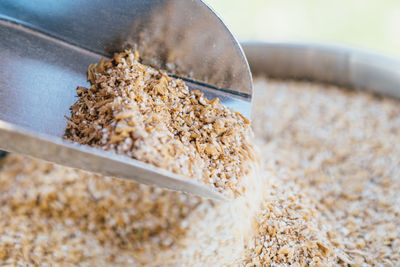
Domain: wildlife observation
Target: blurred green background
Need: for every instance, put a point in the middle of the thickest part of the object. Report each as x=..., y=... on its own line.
x=367, y=24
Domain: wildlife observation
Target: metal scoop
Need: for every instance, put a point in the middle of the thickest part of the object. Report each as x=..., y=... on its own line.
x=46, y=47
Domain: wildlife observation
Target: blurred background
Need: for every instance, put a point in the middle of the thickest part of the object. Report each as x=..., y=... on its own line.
x=366, y=24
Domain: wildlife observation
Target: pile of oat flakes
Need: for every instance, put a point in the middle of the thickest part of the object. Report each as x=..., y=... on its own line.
x=331, y=162
x=143, y=113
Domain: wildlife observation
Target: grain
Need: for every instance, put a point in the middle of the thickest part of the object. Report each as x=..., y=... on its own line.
x=56, y=215
x=333, y=158
x=329, y=186
x=138, y=111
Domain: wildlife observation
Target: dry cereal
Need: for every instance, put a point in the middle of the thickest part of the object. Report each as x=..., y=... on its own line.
x=141, y=112
x=326, y=195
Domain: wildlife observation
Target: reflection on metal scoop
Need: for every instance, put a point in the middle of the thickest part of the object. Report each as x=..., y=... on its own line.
x=46, y=47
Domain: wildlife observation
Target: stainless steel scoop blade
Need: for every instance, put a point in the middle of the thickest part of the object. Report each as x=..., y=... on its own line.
x=46, y=47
